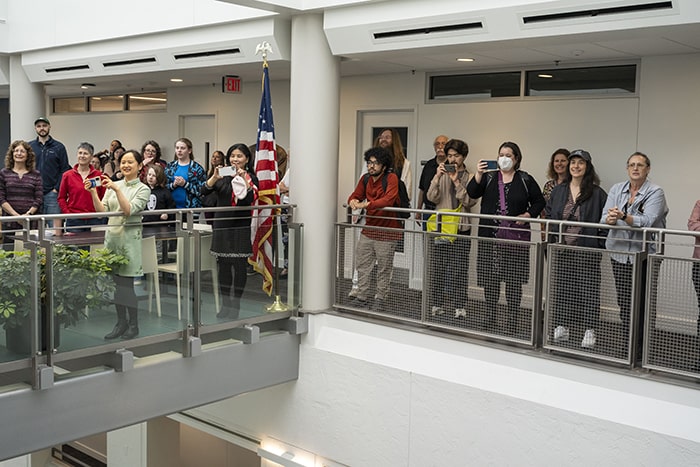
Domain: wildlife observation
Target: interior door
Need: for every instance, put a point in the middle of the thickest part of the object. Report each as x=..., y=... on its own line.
x=201, y=130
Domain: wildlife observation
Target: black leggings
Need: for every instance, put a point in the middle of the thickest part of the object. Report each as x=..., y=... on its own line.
x=232, y=274
x=124, y=295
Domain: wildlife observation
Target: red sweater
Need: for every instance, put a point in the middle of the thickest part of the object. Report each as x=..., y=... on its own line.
x=379, y=200
x=73, y=197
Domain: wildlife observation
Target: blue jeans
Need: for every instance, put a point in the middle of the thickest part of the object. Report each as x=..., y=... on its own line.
x=51, y=206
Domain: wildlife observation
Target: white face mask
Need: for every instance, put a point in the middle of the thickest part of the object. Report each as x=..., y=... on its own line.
x=505, y=163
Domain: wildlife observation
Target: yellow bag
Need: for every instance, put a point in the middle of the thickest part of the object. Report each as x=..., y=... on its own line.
x=449, y=225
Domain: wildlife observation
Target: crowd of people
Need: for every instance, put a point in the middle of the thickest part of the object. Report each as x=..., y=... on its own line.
x=37, y=178
x=571, y=194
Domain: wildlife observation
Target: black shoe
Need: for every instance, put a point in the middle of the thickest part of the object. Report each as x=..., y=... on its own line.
x=119, y=329
x=130, y=333
x=358, y=302
x=223, y=313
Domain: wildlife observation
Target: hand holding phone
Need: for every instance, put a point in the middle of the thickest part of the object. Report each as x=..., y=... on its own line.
x=491, y=166
x=227, y=171
x=450, y=168
x=95, y=182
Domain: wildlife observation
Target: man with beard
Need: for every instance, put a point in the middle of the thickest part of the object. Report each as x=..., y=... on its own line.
x=376, y=190
x=390, y=140
x=429, y=171
x=51, y=162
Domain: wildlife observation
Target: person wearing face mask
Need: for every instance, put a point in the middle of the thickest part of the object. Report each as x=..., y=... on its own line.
x=507, y=191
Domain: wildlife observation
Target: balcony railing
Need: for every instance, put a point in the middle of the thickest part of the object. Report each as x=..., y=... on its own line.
x=45, y=281
x=645, y=318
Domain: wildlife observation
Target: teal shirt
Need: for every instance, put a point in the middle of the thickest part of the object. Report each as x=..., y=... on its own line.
x=124, y=233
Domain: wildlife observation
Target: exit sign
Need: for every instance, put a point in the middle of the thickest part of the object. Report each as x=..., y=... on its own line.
x=231, y=84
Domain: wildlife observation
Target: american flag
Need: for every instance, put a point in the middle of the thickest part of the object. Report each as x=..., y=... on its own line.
x=266, y=171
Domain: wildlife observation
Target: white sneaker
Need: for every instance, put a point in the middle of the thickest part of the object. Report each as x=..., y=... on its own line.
x=436, y=310
x=460, y=312
x=588, y=339
x=561, y=334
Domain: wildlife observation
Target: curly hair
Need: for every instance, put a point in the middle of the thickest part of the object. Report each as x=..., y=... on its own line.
x=382, y=156
x=10, y=160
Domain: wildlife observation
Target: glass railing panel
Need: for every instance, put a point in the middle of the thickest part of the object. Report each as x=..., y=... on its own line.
x=18, y=268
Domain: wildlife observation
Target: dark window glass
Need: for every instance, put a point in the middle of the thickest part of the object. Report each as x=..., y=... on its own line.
x=582, y=81
x=483, y=85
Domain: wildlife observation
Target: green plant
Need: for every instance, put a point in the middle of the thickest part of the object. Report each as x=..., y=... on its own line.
x=15, y=293
x=80, y=279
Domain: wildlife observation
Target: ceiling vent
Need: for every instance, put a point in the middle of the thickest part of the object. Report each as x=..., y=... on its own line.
x=64, y=69
x=428, y=30
x=598, y=12
x=135, y=61
x=208, y=53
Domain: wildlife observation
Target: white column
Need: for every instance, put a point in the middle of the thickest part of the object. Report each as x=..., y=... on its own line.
x=314, y=119
x=128, y=446
x=27, y=102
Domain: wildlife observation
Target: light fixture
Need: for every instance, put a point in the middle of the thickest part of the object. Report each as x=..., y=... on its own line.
x=285, y=454
x=87, y=85
x=285, y=459
x=176, y=80
x=465, y=59
x=545, y=75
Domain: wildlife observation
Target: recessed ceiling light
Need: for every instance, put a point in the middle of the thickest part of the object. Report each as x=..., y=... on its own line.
x=465, y=59
x=87, y=85
x=545, y=75
x=176, y=80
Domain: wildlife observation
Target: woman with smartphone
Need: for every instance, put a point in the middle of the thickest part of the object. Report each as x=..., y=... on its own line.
x=449, y=266
x=72, y=197
x=236, y=185
x=512, y=192
x=128, y=196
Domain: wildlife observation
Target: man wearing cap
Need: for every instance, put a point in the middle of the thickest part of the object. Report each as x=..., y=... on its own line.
x=51, y=162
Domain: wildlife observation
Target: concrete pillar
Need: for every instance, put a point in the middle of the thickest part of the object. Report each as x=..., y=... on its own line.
x=314, y=120
x=27, y=102
x=128, y=446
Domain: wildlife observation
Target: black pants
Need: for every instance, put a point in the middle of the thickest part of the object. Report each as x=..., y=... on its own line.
x=449, y=272
x=232, y=275
x=576, y=282
x=623, y=285
x=124, y=295
x=696, y=283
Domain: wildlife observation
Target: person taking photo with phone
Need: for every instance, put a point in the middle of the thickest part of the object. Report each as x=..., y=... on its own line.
x=72, y=197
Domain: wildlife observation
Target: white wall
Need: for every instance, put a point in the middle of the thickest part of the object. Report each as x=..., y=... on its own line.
x=373, y=395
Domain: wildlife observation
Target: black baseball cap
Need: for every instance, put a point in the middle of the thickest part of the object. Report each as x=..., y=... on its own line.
x=585, y=155
x=42, y=119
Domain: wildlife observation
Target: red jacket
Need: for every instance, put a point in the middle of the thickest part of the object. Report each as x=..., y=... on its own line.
x=73, y=197
x=378, y=199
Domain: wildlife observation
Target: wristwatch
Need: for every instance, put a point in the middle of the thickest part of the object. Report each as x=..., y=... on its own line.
x=624, y=216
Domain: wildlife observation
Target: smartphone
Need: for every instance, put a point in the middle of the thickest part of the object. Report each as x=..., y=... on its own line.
x=227, y=171
x=491, y=165
x=450, y=168
x=95, y=182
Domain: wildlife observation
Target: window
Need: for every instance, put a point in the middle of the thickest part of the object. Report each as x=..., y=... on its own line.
x=582, y=81
x=482, y=85
x=145, y=101
x=148, y=101
x=106, y=103
x=69, y=104
x=608, y=80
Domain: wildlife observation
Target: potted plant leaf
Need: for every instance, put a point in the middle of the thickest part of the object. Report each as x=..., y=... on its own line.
x=81, y=279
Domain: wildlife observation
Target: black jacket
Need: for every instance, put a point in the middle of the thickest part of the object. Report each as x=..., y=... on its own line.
x=590, y=211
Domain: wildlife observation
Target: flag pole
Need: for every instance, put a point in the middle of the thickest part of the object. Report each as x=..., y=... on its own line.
x=277, y=306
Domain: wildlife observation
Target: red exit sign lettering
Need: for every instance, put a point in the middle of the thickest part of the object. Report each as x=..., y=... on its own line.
x=231, y=84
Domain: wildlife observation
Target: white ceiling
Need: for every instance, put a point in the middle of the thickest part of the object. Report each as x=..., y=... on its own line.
x=523, y=49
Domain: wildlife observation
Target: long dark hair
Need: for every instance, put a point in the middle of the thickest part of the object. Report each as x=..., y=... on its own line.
x=589, y=182
x=249, y=166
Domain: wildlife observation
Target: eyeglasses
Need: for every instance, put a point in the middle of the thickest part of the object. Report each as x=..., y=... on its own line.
x=152, y=151
x=636, y=165
x=373, y=163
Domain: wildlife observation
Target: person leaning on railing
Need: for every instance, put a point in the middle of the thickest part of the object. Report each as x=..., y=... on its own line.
x=579, y=198
x=638, y=203
x=507, y=192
